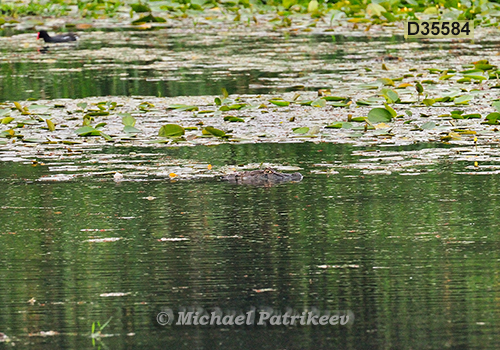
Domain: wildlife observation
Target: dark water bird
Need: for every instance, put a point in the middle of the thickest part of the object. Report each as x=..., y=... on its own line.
x=61, y=38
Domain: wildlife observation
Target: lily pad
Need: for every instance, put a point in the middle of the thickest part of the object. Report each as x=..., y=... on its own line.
x=87, y=131
x=302, y=130
x=233, y=119
x=209, y=130
x=339, y=125
x=379, y=115
x=4, y=111
x=131, y=130
x=463, y=100
x=171, y=130
x=320, y=102
x=128, y=120
x=50, y=124
x=280, y=102
x=428, y=126
x=183, y=107
x=492, y=119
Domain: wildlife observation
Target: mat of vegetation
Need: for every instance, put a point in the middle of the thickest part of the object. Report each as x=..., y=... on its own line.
x=299, y=15
x=391, y=101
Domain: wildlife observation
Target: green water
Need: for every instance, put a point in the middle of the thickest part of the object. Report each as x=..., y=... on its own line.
x=166, y=63
x=414, y=258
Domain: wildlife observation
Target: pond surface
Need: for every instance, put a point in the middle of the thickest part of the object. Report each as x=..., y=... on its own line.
x=413, y=257
x=171, y=63
x=399, y=232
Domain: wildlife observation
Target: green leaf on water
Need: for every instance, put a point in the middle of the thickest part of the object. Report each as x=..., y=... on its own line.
x=33, y=140
x=391, y=110
x=171, y=130
x=371, y=86
x=358, y=119
x=389, y=16
x=7, y=120
x=492, y=119
x=419, y=87
x=237, y=106
x=18, y=106
x=96, y=114
x=339, y=125
x=183, y=107
x=369, y=101
x=472, y=116
x=159, y=141
x=334, y=98
x=106, y=136
x=87, y=131
x=379, y=115
x=233, y=119
x=319, y=102
x=128, y=120
x=390, y=96
x=302, y=130
x=225, y=94
x=446, y=76
x=4, y=111
x=50, y=124
x=428, y=126
x=304, y=102
x=35, y=107
x=339, y=104
x=145, y=106
x=87, y=120
x=428, y=102
x=82, y=105
x=209, y=130
x=386, y=81
x=131, y=130
x=475, y=77
x=8, y=133
x=463, y=100
x=483, y=65
x=279, y=102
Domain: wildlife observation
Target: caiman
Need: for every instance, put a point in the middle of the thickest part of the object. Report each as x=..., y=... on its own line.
x=265, y=177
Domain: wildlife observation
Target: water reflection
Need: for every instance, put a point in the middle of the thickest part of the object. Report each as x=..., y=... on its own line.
x=414, y=260
x=161, y=63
